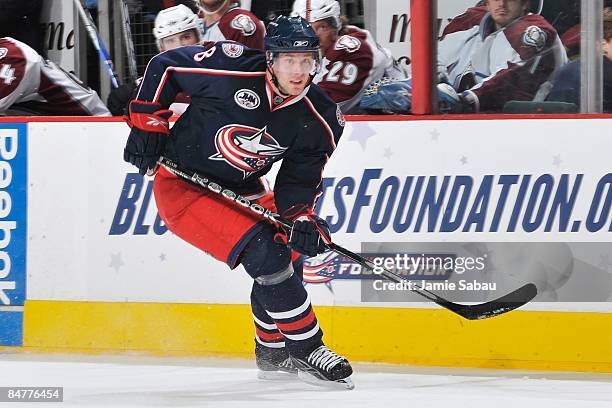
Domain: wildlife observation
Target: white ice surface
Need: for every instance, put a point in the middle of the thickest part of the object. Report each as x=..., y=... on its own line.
x=135, y=381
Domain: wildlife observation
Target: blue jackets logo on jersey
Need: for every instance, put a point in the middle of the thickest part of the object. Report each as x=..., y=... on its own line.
x=246, y=148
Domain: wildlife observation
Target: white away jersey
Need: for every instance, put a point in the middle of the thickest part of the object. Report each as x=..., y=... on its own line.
x=495, y=66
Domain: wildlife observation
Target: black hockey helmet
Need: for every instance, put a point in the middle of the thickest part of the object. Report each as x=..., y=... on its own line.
x=291, y=34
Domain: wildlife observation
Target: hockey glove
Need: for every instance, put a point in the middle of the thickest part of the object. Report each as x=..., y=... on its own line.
x=449, y=101
x=309, y=235
x=148, y=136
x=388, y=96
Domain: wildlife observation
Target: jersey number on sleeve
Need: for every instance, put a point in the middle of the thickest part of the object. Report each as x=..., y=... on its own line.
x=7, y=74
x=346, y=77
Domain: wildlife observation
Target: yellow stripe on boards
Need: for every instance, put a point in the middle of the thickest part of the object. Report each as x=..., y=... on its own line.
x=521, y=339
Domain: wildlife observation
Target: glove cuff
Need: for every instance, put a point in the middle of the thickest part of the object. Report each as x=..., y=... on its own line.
x=149, y=116
x=297, y=211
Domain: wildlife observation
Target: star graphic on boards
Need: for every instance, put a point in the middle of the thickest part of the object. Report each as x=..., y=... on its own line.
x=434, y=135
x=162, y=257
x=463, y=160
x=116, y=262
x=361, y=132
x=557, y=160
x=253, y=144
x=388, y=153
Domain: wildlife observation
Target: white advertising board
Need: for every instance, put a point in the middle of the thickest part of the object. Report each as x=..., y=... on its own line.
x=93, y=233
x=76, y=181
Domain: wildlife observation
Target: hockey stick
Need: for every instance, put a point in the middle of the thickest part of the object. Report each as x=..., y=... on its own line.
x=129, y=42
x=504, y=304
x=97, y=42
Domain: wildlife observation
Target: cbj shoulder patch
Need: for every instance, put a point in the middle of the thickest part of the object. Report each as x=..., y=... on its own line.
x=232, y=50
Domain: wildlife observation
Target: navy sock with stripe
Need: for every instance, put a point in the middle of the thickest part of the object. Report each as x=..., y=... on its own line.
x=266, y=331
x=288, y=305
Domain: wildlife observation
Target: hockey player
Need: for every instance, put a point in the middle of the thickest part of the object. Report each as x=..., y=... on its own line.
x=41, y=87
x=352, y=60
x=496, y=53
x=174, y=27
x=249, y=109
x=225, y=20
x=177, y=26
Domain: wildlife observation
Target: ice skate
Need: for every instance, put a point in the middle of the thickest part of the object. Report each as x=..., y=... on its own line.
x=325, y=368
x=274, y=364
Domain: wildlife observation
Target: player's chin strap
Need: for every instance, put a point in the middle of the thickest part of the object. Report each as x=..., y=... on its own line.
x=274, y=79
x=278, y=86
x=506, y=303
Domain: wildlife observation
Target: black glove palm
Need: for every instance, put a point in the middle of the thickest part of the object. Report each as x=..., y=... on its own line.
x=148, y=136
x=309, y=235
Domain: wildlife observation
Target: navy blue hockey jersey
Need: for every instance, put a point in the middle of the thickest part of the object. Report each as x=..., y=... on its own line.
x=236, y=127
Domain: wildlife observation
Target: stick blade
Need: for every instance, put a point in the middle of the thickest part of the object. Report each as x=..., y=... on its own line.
x=504, y=304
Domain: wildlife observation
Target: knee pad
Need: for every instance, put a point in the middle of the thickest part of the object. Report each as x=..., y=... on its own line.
x=265, y=260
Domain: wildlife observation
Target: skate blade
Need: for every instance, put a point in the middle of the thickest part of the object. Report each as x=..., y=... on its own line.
x=276, y=375
x=343, y=384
